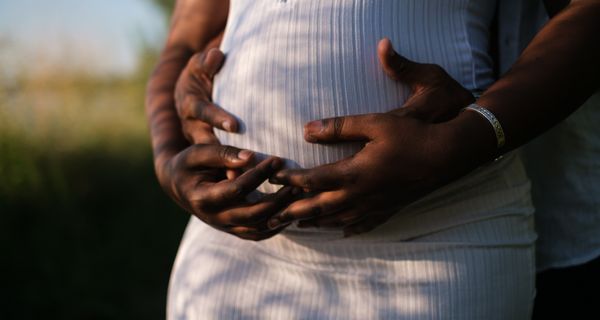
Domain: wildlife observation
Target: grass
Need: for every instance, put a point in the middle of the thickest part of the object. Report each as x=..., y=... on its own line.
x=85, y=231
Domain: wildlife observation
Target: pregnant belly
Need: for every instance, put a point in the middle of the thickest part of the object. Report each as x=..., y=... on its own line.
x=290, y=63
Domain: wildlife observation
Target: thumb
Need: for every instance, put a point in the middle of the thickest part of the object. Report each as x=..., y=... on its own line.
x=396, y=66
x=348, y=128
x=206, y=63
x=213, y=61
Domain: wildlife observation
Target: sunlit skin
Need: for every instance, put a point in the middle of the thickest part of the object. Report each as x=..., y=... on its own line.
x=436, y=97
x=195, y=175
x=555, y=74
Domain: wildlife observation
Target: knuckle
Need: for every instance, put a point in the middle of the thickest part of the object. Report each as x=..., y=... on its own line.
x=201, y=111
x=252, y=218
x=338, y=126
x=196, y=62
x=349, y=176
x=226, y=153
x=373, y=117
x=304, y=211
x=177, y=163
x=378, y=121
x=235, y=190
x=186, y=107
x=289, y=214
x=219, y=219
x=199, y=204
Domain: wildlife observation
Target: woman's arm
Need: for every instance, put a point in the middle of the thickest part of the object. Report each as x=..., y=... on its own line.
x=194, y=175
x=195, y=23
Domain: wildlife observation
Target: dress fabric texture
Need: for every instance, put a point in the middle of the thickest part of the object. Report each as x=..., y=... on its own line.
x=463, y=252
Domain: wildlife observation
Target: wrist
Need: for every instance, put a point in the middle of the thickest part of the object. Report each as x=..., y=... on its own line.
x=470, y=141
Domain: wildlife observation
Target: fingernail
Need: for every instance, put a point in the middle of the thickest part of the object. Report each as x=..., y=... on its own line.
x=245, y=154
x=313, y=127
x=227, y=125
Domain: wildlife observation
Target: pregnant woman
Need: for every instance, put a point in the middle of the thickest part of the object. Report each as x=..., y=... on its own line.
x=464, y=251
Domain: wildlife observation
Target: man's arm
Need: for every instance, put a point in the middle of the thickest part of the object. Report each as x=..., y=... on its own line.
x=555, y=74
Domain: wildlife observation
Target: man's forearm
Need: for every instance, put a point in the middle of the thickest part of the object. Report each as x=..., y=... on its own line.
x=556, y=73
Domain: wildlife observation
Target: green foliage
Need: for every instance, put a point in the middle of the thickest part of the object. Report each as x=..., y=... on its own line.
x=165, y=5
x=85, y=231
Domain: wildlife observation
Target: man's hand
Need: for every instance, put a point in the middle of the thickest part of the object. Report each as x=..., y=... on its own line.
x=435, y=96
x=196, y=181
x=405, y=157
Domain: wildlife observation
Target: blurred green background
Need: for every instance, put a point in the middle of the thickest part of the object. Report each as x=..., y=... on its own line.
x=85, y=230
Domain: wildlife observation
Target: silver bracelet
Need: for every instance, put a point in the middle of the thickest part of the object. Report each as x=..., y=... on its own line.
x=489, y=116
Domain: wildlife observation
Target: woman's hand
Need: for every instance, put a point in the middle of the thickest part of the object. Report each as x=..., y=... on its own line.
x=407, y=154
x=196, y=180
x=193, y=99
x=205, y=178
x=195, y=176
x=199, y=115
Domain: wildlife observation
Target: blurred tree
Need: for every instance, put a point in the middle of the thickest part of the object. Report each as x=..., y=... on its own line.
x=85, y=230
x=165, y=5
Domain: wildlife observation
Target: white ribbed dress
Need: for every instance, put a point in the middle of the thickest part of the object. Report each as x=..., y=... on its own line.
x=463, y=252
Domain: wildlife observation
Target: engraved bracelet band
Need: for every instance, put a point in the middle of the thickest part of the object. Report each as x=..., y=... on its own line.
x=489, y=116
